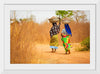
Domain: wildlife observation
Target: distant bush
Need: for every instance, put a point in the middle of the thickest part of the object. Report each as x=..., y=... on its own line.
x=78, y=48
x=85, y=44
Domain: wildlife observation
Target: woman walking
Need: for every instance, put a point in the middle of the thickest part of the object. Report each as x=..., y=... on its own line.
x=66, y=34
x=54, y=33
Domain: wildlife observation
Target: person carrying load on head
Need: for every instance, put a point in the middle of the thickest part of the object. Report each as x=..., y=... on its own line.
x=66, y=34
x=55, y=29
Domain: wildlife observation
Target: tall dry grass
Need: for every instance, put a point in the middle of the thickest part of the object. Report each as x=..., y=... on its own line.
x=25, y=35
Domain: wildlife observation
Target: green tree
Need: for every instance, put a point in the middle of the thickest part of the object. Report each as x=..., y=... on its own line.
x=64, y=13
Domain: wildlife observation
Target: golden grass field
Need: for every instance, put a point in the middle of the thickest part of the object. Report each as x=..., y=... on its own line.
x=29, y=42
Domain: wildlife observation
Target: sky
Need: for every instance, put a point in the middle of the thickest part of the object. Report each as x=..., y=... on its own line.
x=39, y=16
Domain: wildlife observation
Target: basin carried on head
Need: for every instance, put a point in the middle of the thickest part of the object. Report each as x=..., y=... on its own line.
x=53, y=19
x=66, y=20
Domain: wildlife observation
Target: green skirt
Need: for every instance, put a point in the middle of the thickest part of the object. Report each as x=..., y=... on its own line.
x=66, y=43
x=54, y=41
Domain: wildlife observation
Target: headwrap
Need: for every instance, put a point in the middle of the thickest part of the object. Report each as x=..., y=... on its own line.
x=68, y=30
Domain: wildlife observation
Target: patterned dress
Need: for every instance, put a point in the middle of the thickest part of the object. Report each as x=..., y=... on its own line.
x=54, y=37
x=66, y=42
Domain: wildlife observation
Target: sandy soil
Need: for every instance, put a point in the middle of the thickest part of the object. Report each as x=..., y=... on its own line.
x=45, y=56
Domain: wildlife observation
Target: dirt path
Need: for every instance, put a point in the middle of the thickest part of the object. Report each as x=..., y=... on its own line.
x=45, y=56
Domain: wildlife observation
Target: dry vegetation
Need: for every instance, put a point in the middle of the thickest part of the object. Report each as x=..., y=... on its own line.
x=24, y=37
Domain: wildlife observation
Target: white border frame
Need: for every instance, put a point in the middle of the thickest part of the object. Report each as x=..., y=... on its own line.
x=39, y=7
x=72, y=71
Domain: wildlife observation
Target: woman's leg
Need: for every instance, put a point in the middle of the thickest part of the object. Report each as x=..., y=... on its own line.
x=52, y=49
x=55, y=50
x=69, y=51
x=66, y=50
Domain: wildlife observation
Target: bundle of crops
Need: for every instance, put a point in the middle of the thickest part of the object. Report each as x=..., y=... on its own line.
x=66, y=20
x=53, y=19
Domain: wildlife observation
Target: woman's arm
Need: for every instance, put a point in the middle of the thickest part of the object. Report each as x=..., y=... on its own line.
x=59, y=22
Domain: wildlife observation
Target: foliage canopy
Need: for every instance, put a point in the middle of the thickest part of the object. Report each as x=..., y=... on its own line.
x=64, y=13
